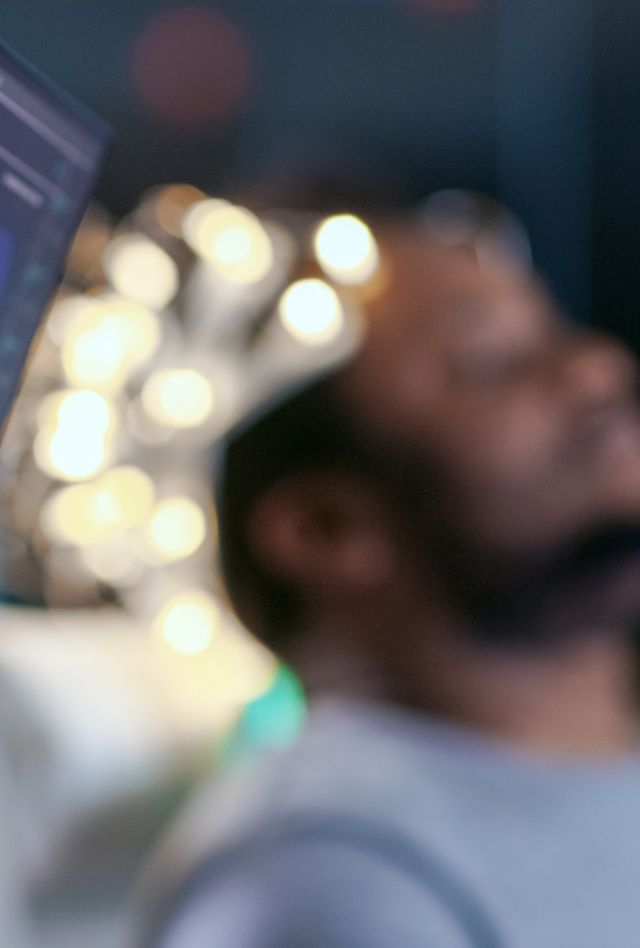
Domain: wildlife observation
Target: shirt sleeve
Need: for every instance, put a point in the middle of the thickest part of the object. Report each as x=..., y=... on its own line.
x=313, y=894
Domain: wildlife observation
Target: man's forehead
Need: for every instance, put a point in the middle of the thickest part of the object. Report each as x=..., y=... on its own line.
x=434, y=301
x=427, y=286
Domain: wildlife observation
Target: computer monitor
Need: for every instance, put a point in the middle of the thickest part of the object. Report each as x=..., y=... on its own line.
x=51, y=150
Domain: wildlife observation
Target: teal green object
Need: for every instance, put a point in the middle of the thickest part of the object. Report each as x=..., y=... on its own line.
x=273, y=720
x=276, y=717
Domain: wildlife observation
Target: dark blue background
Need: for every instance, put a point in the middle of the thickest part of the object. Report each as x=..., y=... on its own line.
x=535, y=102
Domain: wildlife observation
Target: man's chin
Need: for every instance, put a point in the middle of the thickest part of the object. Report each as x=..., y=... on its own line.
x=594, y=587
x=591, y=586
x=604, y=572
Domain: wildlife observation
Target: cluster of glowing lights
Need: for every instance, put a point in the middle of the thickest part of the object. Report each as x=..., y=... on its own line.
x=231, y=239
x=108, y=339
x=176, y=529
x=110, y=516
x=75, y=436
x=189, y=622
x=85, y=514
x=346, y=249
x=141, y=270
x=178, y=398
x=311, y=311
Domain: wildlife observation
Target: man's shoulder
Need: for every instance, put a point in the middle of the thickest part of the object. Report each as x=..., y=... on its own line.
x=325, y=829
x=345, y=783
x=336, y=770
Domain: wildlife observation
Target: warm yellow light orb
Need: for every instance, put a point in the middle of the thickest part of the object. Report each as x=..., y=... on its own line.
x=346, y=249
x=176, y=528
x=311, y=311
x=178, y=398
x=64, y=516
x=124, y=497
x=105, y=342
x=188, y=623
x=113, y=560
x=81, y=409
x=89, y=513
x=141, y=270
x=65, y=313
x=231, y=239
x=60, y=454
x=137, y=327
x=74, y=439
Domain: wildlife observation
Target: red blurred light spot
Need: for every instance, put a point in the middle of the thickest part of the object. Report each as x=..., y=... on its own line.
x=192, y=67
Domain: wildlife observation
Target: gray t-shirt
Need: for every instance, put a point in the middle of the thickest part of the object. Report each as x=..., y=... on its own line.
x=382, y=827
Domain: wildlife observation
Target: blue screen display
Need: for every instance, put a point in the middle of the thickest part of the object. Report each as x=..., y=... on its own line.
x=6, y=256
x=50, y=154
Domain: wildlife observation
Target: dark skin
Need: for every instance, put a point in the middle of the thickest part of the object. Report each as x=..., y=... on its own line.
x=529, y=433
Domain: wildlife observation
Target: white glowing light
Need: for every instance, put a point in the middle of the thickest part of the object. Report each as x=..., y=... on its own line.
x=63, y=516
x=82, y=410
x=178, y=398
x=176, y=528
x=231, y=239
x=346, y=249
x=89, y=513
x=125, y=496
x=60, y=454
x=106, y=341
x=311, y=311
x=75, y=435
x=188, y=623
x=141, y=270
x=65, y=312
x=113, y=561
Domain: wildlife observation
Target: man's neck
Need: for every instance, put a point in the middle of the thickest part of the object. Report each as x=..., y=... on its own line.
x=576, y=701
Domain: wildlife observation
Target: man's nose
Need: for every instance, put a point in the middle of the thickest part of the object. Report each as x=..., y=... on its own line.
x=598, y=369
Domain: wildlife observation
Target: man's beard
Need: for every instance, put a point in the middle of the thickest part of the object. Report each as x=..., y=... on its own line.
x=539, y=601
x=526, y=600
x=521, y=599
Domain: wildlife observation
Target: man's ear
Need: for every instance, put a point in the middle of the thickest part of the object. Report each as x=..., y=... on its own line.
x=324, y=531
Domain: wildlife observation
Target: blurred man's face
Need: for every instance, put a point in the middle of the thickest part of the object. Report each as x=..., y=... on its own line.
x=521, y=430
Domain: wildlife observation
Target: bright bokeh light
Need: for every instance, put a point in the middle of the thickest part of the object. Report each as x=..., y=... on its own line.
x=85, y=514
x=176, y=528
x=75, y=435
x=311, y=311
x=346, y=249
x=65, y=312
x=105, y=342
x=124, y=497
x=178, y=398
x=65, y=517
x=188, y=622
x=231, y=239
x=80, y=409
x=141, y=270
x=113, y=560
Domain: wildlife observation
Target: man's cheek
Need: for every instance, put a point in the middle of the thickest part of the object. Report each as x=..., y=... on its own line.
x=618, y=491
x=504, y=440
x=516, y=508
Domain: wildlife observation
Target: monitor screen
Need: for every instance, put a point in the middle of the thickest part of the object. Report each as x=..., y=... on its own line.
x=51, y=150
